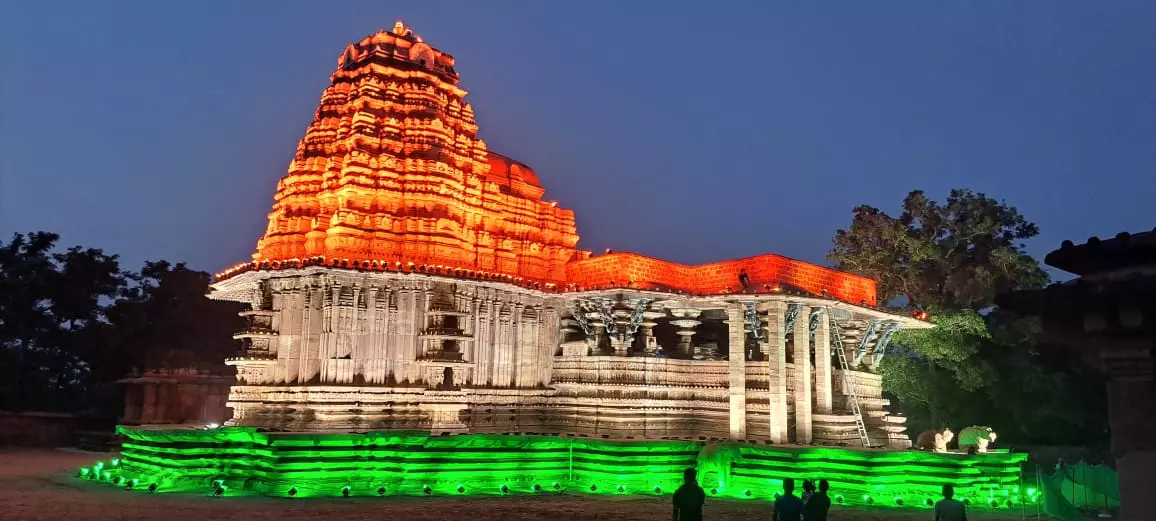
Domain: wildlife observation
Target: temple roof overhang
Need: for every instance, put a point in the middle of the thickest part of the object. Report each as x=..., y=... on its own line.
x=242, y=287
x=1115, y=295
x=674, y=300
x=1124, y=252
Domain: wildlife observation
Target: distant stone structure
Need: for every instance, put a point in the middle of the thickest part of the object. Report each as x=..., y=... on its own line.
x=177, y=396
x=1109, y=313
x=409, y=278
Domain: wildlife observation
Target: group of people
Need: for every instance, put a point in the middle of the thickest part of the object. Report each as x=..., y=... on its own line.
x=813, y=506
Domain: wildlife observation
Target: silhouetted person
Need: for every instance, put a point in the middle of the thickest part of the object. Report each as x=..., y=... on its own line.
x=808, y=490
x=788, y=507
x=817, y=507
x=744, y=280
x=689, y=498
x=948, y=509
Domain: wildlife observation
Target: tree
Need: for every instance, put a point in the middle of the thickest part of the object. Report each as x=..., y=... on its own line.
x=978, y=365
x=72, y=323
x=929, y=370
x=953, y=256
x=991, y=370
x=163, y=320
x=51, y=306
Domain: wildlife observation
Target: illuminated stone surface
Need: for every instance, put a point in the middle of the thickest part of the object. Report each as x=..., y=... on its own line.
x=391, y=169
x=246, y=462
x=411, y=279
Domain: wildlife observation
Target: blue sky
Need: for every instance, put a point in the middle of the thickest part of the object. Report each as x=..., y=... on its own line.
x=688, y=131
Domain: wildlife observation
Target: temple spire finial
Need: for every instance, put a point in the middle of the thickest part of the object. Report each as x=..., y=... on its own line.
x=399, y=28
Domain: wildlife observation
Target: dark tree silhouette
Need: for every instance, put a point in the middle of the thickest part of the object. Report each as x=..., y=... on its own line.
x=72, y=323
x=163, y=320
x=52, y=306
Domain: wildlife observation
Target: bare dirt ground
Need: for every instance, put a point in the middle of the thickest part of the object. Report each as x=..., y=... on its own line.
x=37, y=485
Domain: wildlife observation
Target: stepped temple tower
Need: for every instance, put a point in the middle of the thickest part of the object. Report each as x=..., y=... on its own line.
x=410, y=278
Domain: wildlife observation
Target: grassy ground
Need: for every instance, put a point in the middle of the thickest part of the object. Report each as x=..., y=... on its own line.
x=38, y=486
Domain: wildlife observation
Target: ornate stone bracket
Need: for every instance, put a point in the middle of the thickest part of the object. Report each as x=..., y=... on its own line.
x=605, y=307
x=636, y=317
x=751, y=317
x=793, y=310
x=816, y=316
x=889, y=330
x=580, y=317
x=868, y=336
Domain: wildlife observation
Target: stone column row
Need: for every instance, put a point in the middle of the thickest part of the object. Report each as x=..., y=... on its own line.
x=777, y=358
x=801, y=354
x=806, y=391
x=737, y=373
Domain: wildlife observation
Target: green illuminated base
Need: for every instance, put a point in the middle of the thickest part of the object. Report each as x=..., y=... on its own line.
x=242, y=461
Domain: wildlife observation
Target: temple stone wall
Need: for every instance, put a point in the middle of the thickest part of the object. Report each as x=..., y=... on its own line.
x=595, y=396
x=333, y=328
x=336, y=350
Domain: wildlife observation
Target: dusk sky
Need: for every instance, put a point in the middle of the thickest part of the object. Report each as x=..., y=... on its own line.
x=683, y=130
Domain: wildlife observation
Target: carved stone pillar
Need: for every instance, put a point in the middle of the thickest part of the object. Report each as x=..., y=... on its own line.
x=684, y=320
x=777, y=359
x=1129, y=365
x=737, y=373
x=594, y=319
x=649, y=342
x=618, y=341
x=823, y=395
x=801, y=353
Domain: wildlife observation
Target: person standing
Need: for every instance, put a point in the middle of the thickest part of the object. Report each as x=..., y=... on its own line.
x=788, y=507
x=816, y=508
x=948, y=509
x=689, y=498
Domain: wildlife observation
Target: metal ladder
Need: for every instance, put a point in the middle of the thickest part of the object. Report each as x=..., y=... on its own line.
x=847, y=388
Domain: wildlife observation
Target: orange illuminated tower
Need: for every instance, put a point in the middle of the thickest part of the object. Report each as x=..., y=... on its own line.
x=391, y=170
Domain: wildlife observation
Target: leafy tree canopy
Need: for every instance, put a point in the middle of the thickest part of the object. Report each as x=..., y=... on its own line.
x=983, y=368
x=951, y=256
x=72, y=323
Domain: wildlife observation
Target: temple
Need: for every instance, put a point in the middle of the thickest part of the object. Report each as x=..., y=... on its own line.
x=1108, y=314
x=410, y=278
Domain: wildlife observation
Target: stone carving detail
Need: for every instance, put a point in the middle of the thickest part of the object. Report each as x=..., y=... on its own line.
x=579, y=315
x=605, y=308
x=865, y=341
x=753, y=323
x=976, y=438
x=793, y=310
x=636, y=317
x=935, y=441
x=880, y=349
x=816, y=316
